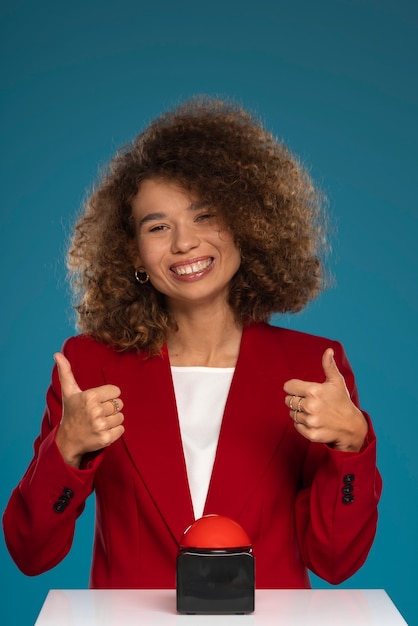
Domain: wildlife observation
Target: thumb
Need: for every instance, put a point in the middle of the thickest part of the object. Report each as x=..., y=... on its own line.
x=331, y=371
x=69, y=385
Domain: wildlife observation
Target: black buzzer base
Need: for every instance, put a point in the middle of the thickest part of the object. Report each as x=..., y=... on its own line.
x=215, y=581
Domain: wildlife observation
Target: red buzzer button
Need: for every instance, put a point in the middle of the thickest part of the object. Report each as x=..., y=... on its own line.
x=215, y=532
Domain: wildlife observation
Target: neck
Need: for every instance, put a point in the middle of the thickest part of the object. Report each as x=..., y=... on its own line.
x=205, y=339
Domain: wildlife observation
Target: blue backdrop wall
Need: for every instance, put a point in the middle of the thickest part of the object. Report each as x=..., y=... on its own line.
x=337, y=80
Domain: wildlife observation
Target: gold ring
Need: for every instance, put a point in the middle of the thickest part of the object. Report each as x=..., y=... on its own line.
x=115, y=406
x=299, y=410
x=291, y=403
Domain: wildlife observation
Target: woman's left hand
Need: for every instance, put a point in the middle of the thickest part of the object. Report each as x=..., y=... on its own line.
x=324, y=412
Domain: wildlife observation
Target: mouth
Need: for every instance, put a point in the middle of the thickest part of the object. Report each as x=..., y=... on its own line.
x=194, y=267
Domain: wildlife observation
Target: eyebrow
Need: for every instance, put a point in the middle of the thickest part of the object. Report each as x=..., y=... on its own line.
x=152, y=217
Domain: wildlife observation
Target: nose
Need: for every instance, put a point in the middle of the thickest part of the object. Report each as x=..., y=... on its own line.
x=184, y=238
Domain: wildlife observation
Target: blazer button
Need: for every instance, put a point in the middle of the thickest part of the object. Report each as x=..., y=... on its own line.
x=64, y=500
x=348, y=499
x=59, y=506
x=347, y=489
x=348, y=478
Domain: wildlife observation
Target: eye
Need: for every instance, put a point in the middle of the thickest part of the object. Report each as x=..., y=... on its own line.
x=156, y=229
x=204, y=217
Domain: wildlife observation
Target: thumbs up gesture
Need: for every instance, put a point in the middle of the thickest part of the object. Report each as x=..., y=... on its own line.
x=324, y=412
x=91, y=419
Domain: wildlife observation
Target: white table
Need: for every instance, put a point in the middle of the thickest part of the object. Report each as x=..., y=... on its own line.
x=278, y=607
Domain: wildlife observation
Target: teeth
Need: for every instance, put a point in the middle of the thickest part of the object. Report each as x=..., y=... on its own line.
x=193, y=268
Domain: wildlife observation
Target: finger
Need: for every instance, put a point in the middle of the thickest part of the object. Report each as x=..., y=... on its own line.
x=69, y=385
x=295, y=402
x=296, y=417
x=331, y=371
x=113, y=421
x=299, y=406
x=106, y=394
x=297, y=387
x=115, y=434
x=116, y=406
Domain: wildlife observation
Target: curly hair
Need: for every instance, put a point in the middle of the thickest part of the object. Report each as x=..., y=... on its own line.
x=222, y=153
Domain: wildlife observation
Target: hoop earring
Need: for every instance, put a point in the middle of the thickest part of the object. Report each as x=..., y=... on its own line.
x=141, y=275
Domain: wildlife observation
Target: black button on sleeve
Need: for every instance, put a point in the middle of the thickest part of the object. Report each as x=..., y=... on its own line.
x=348, y=478
x=347, y=489
x=59, y=506
x=348, y=499
x=64, y=500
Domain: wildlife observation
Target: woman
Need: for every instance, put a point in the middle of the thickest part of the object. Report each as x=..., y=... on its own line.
x=179, y=399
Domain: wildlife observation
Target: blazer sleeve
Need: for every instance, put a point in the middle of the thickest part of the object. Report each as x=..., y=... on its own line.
x=39, y=520
x=336, y=511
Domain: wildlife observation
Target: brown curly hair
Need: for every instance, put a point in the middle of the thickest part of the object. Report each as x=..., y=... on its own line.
x=221, y=153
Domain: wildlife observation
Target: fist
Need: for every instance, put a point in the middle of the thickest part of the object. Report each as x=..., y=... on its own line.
x=91, y=419
x=324, y=412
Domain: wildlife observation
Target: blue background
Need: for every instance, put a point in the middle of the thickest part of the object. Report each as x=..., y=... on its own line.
x=337, y=80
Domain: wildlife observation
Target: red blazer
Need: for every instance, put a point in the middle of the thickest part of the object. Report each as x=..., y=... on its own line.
x=287, y=493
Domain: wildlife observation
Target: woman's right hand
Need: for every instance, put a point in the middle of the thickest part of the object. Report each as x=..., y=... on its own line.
x=91, y=419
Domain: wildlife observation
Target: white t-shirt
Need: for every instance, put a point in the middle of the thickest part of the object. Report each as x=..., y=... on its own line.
x=201, y=394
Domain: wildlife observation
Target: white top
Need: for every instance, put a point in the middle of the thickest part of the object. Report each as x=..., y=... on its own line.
x=201, y=394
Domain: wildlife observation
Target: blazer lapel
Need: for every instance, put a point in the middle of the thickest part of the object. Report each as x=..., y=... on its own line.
x=254, y=423
x=152, y=435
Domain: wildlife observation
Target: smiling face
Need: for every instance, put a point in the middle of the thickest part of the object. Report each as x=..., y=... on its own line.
x=189, y=255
